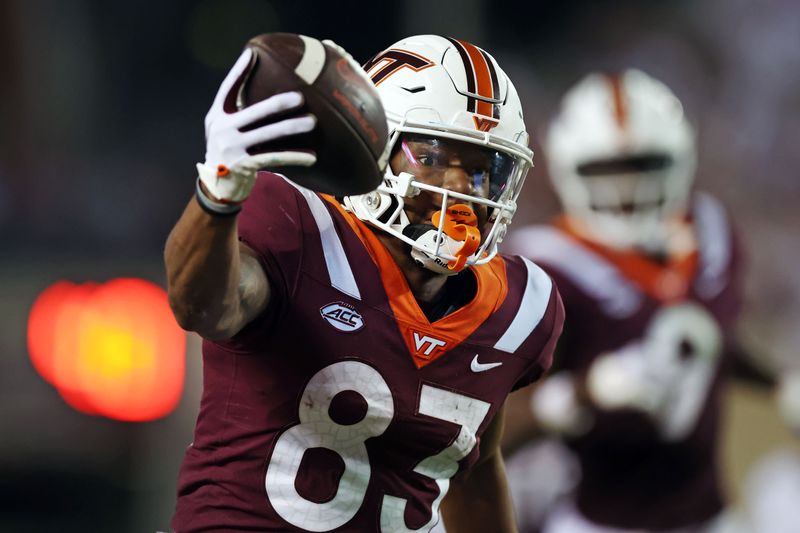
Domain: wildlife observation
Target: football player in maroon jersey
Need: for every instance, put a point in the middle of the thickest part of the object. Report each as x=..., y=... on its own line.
x=358, y=351
x=649, y=273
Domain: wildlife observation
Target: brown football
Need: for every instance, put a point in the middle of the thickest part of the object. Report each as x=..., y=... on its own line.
x=351, y=131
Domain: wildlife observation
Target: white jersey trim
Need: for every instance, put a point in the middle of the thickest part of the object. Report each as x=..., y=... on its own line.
x=531, y=309
x=339, y=271
x=592, y=274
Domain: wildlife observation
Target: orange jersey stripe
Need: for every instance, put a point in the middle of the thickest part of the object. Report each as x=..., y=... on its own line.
x=667, y=282
x=452, y=329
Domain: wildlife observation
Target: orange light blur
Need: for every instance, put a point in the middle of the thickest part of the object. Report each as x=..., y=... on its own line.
x=111, y=349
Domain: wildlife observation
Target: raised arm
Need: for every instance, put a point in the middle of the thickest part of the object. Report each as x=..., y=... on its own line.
x=216, y=285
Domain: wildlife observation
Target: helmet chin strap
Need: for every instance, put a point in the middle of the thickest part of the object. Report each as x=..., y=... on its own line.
x=459, y=237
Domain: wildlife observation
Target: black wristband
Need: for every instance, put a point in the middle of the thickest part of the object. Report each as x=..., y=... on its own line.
x=213, y=208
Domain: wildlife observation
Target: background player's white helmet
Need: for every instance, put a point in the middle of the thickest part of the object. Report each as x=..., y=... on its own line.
x=451, y=90
x=621, y=156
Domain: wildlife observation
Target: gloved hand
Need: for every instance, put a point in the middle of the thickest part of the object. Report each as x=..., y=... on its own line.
x=627, y=379
x=557, y=407
x=228, y=173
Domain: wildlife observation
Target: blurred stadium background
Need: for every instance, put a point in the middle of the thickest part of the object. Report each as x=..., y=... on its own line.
x=101, y=121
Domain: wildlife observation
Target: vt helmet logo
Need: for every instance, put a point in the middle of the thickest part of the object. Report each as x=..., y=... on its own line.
x=342, y=316
x=391, y=61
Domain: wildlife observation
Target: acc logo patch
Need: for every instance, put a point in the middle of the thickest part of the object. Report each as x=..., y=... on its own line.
x=342, y=316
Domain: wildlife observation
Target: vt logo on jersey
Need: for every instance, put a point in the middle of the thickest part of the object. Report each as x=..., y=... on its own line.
x=425, y=344
x=342, y=316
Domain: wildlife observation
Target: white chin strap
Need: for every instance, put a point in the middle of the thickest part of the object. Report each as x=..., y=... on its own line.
x=425, y=256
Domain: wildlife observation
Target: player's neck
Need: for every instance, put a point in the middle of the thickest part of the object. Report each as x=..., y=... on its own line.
x=425, y=285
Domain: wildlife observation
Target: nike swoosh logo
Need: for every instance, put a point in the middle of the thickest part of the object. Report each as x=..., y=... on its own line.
x=475, y=366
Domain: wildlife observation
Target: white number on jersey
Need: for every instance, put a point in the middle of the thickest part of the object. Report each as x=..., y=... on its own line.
x=667, y=373
x=686, y=342
x=317, y=430
x=445, y=405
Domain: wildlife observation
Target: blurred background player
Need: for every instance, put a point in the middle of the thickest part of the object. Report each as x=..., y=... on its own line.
x=313, y=423
x=650, y=276
x=88, y=190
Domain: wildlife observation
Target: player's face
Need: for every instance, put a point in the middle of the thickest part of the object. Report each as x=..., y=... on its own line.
x=627, y=184
x=453, y=165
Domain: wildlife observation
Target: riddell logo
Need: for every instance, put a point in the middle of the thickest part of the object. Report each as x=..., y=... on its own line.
x=425, y=345
x=342, y=316
x=484, y=123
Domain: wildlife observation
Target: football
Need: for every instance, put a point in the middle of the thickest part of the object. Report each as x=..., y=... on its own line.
x=351, y=132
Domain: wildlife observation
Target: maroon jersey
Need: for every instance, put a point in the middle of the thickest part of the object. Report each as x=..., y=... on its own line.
x=342, y=408
x=647, y=472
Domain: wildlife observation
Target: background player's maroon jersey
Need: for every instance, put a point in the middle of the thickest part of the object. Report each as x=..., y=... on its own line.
x=342, y=408
x=640, y=472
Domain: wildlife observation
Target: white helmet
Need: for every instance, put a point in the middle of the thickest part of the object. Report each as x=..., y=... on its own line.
x=441, y=88
x=622, y=158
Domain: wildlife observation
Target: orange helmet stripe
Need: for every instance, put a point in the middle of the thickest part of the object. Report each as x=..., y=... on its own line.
x=618, y=97
x=495, y=82
x=483, y=77
x=469, y=72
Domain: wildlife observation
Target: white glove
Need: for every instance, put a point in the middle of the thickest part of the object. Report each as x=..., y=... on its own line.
x=229, y=171
x=556, y=407
x=622, y=380
x=353, y=63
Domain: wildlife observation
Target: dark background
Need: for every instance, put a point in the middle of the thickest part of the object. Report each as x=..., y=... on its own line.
x=101, y=122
